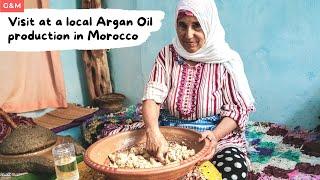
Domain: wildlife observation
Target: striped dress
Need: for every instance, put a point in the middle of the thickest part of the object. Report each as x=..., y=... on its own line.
x=194, y=92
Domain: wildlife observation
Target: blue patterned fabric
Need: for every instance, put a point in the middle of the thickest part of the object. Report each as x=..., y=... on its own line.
x=200, y=125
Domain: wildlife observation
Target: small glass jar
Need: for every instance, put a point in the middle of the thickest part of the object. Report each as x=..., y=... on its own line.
x=65, y=162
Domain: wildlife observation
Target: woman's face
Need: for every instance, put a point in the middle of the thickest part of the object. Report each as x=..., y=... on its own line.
x=190, y=33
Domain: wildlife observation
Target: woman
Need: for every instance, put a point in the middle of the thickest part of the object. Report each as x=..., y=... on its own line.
x=201, y=84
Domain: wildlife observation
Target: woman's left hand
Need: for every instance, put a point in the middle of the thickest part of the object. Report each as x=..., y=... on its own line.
x=213, y=143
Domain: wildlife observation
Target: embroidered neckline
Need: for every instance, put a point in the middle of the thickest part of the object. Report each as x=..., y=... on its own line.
x=176, y=56
x=181, y=60
x=187, y=91
x=188, y=86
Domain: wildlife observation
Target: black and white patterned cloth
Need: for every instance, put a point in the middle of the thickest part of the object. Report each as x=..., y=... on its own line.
x=231, y=163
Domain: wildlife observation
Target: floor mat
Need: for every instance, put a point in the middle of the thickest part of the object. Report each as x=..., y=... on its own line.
x=57, y=120
x=64, y=118
x=276, y=152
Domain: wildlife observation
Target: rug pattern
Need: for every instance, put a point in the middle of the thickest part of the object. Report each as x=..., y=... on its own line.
x=275, y=151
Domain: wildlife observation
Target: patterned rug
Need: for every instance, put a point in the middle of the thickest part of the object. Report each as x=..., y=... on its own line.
x=276, y=152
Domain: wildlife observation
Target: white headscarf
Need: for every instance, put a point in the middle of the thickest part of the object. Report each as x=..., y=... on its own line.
x=215, y=49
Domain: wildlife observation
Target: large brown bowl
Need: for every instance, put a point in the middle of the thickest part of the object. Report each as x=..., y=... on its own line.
x=96, y=156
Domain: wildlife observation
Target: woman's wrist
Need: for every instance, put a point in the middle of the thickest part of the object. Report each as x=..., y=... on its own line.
x=216, y=136
x=226, y=126
x=152, y=130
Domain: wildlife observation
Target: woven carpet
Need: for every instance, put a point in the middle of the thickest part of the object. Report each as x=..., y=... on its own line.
x=64, y=118
x=57, y=120
x=276, y=152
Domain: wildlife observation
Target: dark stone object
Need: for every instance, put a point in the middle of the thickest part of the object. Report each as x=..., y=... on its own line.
x=28, y=148
x=27, y=139
x=29, y=164
x=40, y=161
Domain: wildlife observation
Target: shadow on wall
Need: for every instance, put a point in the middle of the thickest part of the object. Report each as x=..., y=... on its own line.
x=311, y=105
x=83, y=80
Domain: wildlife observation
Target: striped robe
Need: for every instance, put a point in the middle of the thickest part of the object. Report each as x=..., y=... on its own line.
x=193, y=92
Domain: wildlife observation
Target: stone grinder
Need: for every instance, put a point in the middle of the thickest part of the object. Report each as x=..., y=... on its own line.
x=28, y=148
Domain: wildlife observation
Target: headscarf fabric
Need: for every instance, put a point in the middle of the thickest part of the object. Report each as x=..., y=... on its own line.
x=183, y=13
x=215, y=48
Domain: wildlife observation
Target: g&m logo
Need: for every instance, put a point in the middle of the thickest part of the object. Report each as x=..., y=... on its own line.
x=11, y=5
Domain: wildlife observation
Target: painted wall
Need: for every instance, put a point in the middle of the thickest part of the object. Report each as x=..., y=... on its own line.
x=276, y=39
x=73, y=71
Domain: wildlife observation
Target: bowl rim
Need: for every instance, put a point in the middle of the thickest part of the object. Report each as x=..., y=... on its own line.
x=111, y=97
x=147, y=171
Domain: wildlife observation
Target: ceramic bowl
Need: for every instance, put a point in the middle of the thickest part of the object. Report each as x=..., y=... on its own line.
x=96, y=156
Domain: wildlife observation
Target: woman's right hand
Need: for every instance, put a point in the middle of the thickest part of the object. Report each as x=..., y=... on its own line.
x=156, y=144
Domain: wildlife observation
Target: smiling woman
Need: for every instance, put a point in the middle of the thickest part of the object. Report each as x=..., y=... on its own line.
x=190, y=33
x=200, y=83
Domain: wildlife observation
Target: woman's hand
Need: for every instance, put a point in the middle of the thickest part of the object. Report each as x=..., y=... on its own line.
x=156, y=144
x=213, y=143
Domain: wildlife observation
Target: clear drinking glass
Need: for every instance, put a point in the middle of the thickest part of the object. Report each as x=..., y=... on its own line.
x=65, y=162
